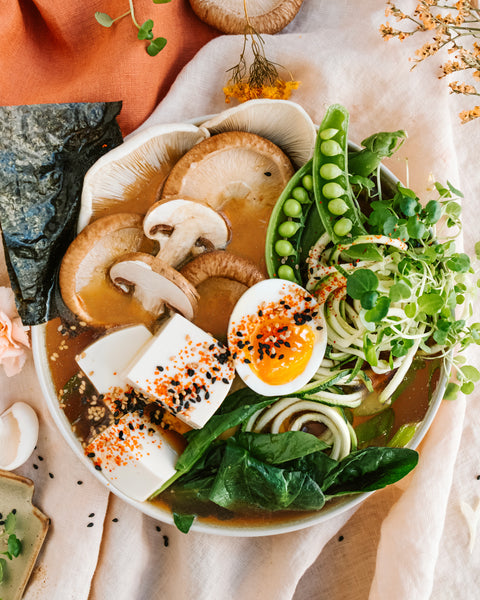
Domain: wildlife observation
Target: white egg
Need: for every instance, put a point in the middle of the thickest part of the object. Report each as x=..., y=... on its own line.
x=277, y=336
x=18, y=435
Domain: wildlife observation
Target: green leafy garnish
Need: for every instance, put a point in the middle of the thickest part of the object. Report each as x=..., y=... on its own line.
x=183, y=522
x=145, y=31
x=10, y=545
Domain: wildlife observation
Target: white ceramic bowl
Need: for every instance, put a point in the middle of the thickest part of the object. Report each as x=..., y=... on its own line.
x=330, y=510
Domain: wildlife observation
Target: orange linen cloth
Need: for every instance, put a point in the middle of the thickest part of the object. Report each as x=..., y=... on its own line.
x=55, y=51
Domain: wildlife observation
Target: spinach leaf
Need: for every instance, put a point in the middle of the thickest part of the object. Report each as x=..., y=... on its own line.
x=183, y=522
x=369, y=469
x=200, y=439
x=277, y=448
x=244, y=481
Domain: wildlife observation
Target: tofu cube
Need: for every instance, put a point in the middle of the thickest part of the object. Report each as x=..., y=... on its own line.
x=106, y=360
x=185, y=369
x=134, y=455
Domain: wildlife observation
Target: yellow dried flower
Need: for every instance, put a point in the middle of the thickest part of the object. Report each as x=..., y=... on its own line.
x=455, y=28
x=461, y=88
x=261, y=79
x=243, y=91
x=469, y=115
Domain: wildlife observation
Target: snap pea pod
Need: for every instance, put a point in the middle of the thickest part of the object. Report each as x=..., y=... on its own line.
x=285, y=228
x=333, y=195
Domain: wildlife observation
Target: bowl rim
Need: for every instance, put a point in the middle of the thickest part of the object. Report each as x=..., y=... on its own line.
x=38, y=335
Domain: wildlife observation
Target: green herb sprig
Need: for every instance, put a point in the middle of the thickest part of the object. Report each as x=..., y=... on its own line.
x=145, y=31
x=10, y=545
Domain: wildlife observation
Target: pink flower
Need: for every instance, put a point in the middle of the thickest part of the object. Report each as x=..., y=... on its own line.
x=13, y=335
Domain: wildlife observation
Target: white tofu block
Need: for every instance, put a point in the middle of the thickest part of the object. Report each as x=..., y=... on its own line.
x=185, y=369
x=134, y=455
x=106, y=360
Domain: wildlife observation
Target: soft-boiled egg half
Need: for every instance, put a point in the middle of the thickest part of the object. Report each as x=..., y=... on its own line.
x=277, y=337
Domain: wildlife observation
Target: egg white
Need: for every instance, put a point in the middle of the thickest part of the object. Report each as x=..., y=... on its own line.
x=272, y=291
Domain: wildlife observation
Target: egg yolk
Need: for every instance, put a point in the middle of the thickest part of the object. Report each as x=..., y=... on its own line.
x=279, y=350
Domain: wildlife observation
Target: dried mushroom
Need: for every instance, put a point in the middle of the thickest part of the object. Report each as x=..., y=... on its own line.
x=84, y=270
x=265, y=16
x=129, y=178
x=230, y=166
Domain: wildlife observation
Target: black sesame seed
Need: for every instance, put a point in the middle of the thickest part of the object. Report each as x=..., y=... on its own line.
x=91, y=454
x=98, y=467
x=115, y=520
x=165, y=540
x=341, y=538
x=14, y=511
x=158, y=528
x=267, y=174
x=51, y=475
x=478, y=477
x=91, y=515
x=190, y=372
x=247, y=361
x=79, y=482
x=90, y=525
x=225, y=380
x=131, y=427
x=35, y=466
x=159, y=368
x=40, y=458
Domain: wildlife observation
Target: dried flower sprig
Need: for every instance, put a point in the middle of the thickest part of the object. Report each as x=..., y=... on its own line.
x=145, y=31
x=261, y=79
x=454, y=26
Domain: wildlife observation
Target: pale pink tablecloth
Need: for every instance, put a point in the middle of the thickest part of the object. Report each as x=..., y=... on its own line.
x=407, y=542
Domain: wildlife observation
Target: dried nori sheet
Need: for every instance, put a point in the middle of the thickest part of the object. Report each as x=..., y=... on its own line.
x=45, y=151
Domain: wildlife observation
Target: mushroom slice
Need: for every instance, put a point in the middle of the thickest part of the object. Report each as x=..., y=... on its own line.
x=222, y=264
x=183, y=227
x=235, y=165
x=129, y=177
x=282, y=122
x=154, y=283
x=84, y=268
x=265, y=16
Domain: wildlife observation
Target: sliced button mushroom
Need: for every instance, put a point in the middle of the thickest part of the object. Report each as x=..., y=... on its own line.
x=154, y=283
x=183, y=228
x=222, y=264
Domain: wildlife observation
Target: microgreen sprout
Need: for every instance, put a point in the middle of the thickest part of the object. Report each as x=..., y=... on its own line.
x=426, y=284
x=145, y=30
x=10, y=545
